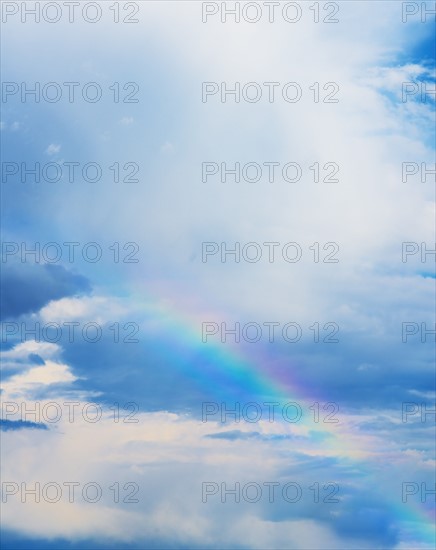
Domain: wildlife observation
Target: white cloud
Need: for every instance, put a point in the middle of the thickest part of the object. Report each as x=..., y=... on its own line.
x=98, y=309
x=167, y=147
x=52, y=149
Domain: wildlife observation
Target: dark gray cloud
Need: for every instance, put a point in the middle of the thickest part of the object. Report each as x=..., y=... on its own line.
x=27, y=288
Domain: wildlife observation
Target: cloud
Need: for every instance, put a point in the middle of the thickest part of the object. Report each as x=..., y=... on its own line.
x=167, y=147
x=52, y=149
x=234, y=435
x=369, y=212
x=26, y=288
x=14, y=126
x=170, y=457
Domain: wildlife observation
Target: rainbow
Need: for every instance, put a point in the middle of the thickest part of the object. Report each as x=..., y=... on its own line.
x=234, y=374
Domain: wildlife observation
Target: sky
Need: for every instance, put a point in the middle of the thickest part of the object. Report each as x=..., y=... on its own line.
x=218, y=275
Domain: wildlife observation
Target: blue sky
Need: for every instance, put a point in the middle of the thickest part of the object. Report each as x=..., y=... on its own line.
x=160, y=371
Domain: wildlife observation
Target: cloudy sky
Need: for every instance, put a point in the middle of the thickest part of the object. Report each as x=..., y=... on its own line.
x=223, y=335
